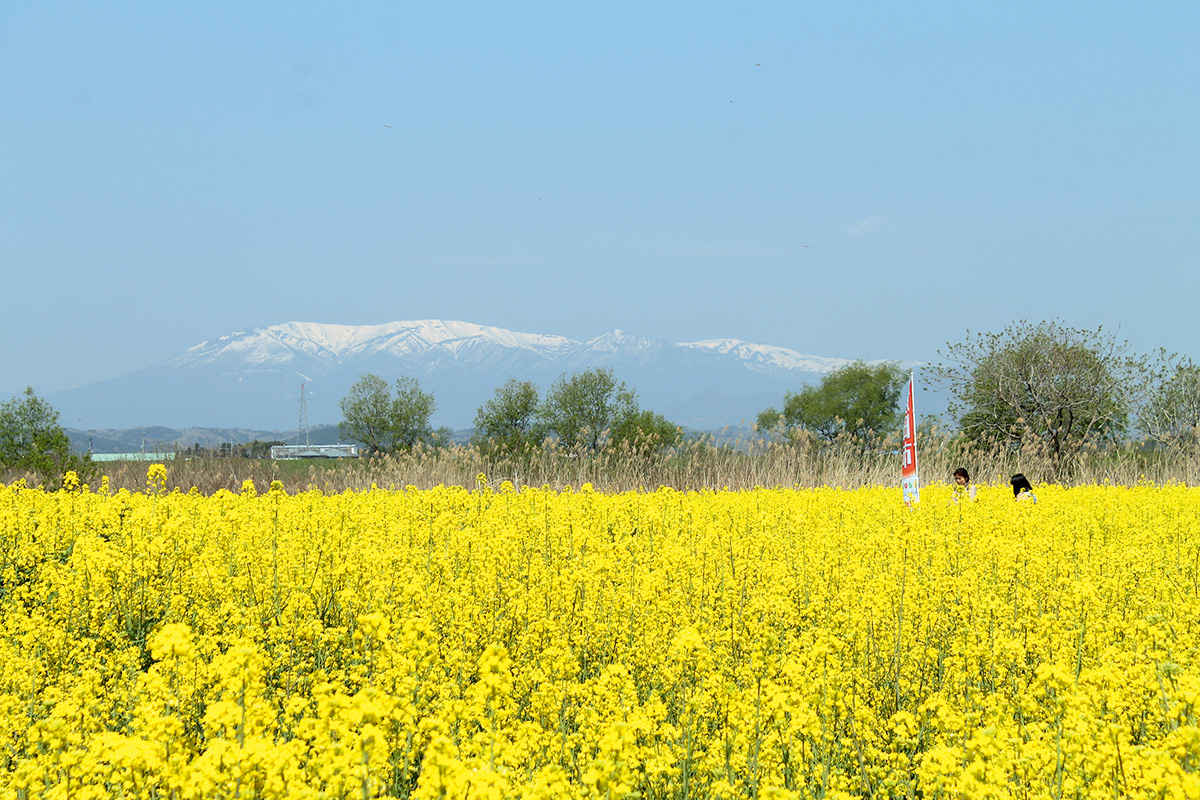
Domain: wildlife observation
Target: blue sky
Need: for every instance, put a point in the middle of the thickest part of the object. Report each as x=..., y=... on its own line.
x=851, y=179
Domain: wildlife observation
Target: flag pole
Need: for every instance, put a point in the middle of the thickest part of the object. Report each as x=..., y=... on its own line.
x=910, y=483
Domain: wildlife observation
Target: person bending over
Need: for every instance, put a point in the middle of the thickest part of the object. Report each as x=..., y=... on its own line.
x=1021, y=488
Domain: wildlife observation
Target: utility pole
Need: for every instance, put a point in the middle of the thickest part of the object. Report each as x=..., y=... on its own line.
x=302, y=430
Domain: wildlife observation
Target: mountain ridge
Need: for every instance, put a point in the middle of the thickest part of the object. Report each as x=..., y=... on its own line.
x=342, y=343
x=253, y=378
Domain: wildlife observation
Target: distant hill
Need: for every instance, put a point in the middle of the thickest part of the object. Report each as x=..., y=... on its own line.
x=158, y=439
x=252, y=380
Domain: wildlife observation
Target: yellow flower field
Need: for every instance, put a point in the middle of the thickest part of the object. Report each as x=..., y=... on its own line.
x=529, y=643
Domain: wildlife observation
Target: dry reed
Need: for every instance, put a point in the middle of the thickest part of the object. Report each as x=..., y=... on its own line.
x=697, y=464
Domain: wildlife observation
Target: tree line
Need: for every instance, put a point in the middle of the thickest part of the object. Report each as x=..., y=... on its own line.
x=1062, y=390
x=584, y=412
x=1041, y=386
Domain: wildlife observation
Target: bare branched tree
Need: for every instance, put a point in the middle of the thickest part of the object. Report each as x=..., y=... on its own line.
x=1047, y=384
x=1171, y=415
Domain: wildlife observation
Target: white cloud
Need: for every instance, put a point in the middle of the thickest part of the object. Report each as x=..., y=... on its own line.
x=867, y=226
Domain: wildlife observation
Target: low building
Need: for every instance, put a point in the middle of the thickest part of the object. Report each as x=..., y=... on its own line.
x=287, y=452
x=138, y=456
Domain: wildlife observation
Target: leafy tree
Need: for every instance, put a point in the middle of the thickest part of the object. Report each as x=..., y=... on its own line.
x=508, y=423
x=1060, y=387
x=580, y=409
x=371, y=415
x=442, y=437
x=1171, y=414
x=859, y=399
x=366, y=412
x=591, y=407
x=411, y=411
x=32, y=439
x=641, y=428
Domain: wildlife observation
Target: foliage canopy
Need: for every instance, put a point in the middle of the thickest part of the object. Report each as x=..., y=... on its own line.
x=590, y=408
x=32, y=439
x=1171, y=415
x=1044, y=384
x=508, y=423
x=387, y=423
x=859, y=399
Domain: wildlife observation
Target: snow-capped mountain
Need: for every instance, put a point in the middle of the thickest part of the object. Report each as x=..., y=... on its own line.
x=765, y=356
x=253, y=378
x=296, y=343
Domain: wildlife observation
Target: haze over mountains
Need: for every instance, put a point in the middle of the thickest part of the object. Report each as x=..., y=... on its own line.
x=253, y=379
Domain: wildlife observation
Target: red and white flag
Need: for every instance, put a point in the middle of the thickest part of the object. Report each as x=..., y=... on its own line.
x=908, y=468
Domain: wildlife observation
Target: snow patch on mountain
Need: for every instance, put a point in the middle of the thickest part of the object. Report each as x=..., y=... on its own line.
x=768, y=355
x=619, y=341
x=334, y=344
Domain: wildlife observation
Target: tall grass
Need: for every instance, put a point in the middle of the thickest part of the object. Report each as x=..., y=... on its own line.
x=702, y=463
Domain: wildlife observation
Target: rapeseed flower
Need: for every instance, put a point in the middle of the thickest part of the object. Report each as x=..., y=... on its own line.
x=467, y=642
